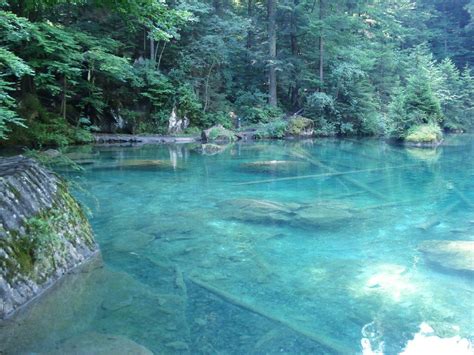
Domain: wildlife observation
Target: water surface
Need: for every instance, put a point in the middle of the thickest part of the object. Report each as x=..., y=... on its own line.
x=211, y=254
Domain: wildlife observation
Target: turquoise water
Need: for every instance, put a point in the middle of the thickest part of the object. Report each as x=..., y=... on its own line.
x=214, y=254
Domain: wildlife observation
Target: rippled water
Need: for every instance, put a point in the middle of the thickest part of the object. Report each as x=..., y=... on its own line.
x=323, y=253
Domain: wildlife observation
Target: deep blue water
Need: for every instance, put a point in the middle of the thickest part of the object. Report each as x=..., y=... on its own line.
x=211, y=254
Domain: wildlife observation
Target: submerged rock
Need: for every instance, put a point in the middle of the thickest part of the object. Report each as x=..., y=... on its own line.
x=274, y=166
x=138, y=164
x=132, y=240
x=98, y=344
x=177, y=345
x=43, y=231
x=322, y=214
x=455, y=255
x=260, y=211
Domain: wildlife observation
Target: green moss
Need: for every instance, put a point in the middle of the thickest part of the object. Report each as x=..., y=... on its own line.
x=22, y=258
x=34, y=254
x=15, y=191
x=426, y=133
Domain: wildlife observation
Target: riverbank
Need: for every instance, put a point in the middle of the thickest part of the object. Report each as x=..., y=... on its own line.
x=111, y=138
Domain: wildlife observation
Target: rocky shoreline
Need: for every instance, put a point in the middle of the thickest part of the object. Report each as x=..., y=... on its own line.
x=111, y=138
x=44, y=233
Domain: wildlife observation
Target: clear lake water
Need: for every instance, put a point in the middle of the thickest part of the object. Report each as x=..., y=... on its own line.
x=295, y=247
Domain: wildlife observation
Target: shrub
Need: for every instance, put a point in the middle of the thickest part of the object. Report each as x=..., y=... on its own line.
x=426, y=133
x=274, y=129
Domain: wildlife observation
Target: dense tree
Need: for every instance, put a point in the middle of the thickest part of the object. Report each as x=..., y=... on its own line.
x=352, y=66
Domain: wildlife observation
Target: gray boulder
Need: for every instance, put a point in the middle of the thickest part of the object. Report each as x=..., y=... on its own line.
x=43, y=231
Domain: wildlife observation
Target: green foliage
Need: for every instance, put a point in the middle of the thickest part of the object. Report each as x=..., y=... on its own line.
x=299, y=126
x=274, y=129
x=384, y=67
x=425, y=133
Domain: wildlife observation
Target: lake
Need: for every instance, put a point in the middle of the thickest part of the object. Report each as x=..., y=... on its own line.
x=320, y=246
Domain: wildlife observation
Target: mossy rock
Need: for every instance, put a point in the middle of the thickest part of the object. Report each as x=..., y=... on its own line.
x=43, y=231
x=300, y=127
x=218, y=134
x=424, y=135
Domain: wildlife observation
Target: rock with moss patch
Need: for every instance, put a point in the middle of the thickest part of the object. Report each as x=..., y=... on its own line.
x=299, y=126
x=218, y=133
x=424, y=135
x=43, y=231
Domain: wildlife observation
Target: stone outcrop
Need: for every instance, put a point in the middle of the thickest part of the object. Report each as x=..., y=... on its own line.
x=43, y=232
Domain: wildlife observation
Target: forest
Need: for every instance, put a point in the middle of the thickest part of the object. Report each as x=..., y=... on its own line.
x=70, y=68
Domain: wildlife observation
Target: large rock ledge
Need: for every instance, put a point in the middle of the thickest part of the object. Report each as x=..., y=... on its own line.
x=43, y=232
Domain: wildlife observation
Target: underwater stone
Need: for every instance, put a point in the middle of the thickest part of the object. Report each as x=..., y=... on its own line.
x=324, y=214
x=455, y=255
x=272, y=166
x=44, y=232
x=97, y=343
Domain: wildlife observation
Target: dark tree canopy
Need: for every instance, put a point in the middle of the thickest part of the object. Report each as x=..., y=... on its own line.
x=68, y=68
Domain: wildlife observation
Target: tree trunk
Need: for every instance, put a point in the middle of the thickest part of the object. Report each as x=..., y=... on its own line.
x=250, y=34
x=321, y=48
x=272, y=79
x=152, y=47
x=161, y=56
x=64, y=98
x=206, y=88
x=294, y=85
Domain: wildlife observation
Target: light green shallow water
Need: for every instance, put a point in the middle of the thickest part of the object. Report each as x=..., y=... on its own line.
x=195, y=261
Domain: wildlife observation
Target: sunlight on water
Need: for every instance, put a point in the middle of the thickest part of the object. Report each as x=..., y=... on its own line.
x=324, y=246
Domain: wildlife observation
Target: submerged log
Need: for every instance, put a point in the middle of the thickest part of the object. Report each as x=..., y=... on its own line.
x=354, y=182
x=435, y=220
x=326, y=341
x=330, y=174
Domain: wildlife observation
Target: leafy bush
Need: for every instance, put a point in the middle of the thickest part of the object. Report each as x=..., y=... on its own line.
x=426, y=133
x=298, y=126
x=273, y=129
x=253, y=107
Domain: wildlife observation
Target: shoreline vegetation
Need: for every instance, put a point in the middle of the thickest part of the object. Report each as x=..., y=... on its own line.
x=68, y=71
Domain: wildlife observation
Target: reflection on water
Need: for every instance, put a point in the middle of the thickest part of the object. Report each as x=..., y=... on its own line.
x=325, y=246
